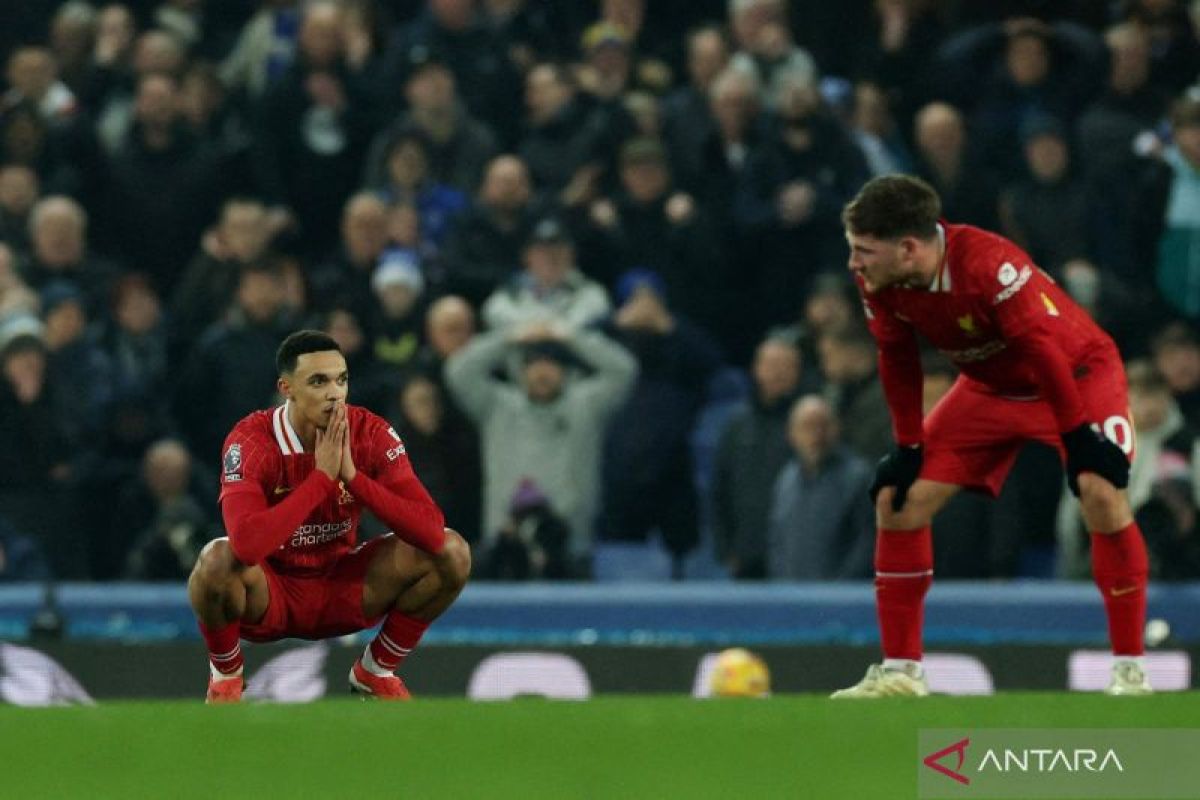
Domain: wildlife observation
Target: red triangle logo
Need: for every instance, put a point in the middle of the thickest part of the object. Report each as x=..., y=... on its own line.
x=959, y=747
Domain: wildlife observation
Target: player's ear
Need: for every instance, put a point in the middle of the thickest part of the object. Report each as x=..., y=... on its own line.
x=284, y=386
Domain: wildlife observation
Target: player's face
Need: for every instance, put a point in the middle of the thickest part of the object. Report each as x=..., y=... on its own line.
x=318, y=385
x=880, y=263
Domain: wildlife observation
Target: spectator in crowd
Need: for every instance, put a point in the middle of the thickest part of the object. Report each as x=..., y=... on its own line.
x=111, y=57
x=1048, y=211
x=33, y=75
x=532, y=543
x=895, y=56
x=1109, y=133
x=72, y=32
x=1029, y=68
x=1128, y=313
x=827, y=307
x=134, y=341
x=167, y=524
x=208, y=110
x=568, y=142
x=154, y=52
x=443, y=449
x=687, y=121
x=396, y=325
x=373, y=385
x=16, y=298
x=347, y=274
x=1169, y=210
x=549, y=289
x=457, y=33
x=875, y=131
x=821, y=520
x=606, y=71
x=58, y=232
x=242, y=235
x=648, y=470
x=549, y=428
x=62, y=165
x=484, y=246
x=752, y=450
x=449, y=326
x=849, y=365
x=407, y=179
x=1175, y=52
x=765, y=47
x=790, y=198
x=1176, y=353
x=459, y=146
x=162, y=180
x=315, y=123
x=221, y=381
x=968, y=191
x=35, y=452
x=1130, y=105
x=75, y=359
x=19, y=189
x=716, y=167
x=265, y=49
x=652, y=224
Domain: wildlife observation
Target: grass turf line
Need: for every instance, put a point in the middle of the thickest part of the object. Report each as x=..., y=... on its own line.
x=611, y=747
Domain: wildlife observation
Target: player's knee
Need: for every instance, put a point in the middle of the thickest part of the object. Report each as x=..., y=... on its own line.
x=1101, y=501
x=215, y=565
x=915, y=513
x=454, y=562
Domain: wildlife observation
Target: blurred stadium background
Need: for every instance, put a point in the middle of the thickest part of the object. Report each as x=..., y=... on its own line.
x=182, y=182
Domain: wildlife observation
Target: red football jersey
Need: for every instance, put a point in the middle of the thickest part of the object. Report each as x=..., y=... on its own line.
x=264, y=454
x=986, y=293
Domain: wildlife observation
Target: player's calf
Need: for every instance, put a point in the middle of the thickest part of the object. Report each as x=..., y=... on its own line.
x=431, y=583
x=219, y=594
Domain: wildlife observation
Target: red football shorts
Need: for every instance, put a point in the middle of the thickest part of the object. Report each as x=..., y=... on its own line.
x=316, y=606
x=972, y=436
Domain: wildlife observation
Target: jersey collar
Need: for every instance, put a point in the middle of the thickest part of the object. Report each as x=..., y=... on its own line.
x=941, y=278
x=285, y=435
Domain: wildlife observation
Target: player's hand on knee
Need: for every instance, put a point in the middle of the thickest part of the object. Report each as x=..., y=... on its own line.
x=900, y=469
x=1089, y=451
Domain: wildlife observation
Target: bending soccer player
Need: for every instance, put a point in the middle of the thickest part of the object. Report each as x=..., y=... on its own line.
x=294, y=481
x=1034, y=367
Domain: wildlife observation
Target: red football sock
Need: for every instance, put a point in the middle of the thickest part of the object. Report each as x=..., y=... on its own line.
x=903, y=573
x=224, y=651
x=396, y=639
x=1120, y=568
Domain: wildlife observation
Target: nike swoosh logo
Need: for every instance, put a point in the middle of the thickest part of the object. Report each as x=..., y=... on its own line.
x=1115, y=592
x=282, y=489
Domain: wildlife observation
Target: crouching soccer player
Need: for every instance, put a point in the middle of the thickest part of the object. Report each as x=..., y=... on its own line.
x=294, y=481
x=1034, y=367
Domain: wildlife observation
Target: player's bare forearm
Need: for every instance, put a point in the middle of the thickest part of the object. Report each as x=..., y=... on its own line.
x=256, y=530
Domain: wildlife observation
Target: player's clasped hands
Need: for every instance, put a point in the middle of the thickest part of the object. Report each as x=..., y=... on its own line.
x=333, y=444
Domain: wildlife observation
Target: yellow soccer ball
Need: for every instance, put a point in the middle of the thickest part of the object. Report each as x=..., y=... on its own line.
x=740, y=673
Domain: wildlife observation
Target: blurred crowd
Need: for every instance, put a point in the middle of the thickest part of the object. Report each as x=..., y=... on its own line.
x=585, y=256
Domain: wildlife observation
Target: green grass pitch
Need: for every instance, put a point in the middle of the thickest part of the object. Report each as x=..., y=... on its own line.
x=797, y=746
